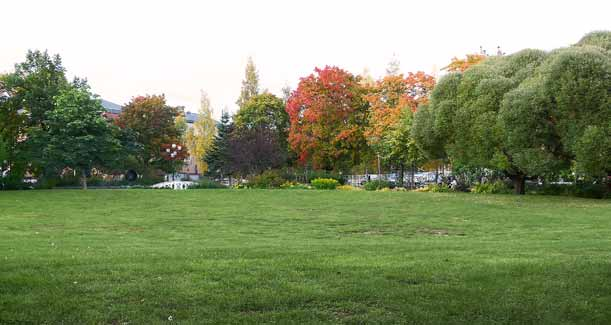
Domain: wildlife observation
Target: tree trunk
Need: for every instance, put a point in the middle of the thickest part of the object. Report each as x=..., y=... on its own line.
x=401, y=174
x=519, y=183
x=412, y=181
x=379, y=170
x=84, y=181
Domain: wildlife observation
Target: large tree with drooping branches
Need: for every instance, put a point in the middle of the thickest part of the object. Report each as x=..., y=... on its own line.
x=529, y=114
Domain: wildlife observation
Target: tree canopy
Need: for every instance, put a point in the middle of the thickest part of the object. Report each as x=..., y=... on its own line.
x=462, y=64
x=388, y=99
x=200, y=137
x=218, y=157
x=77, y=135
x=531, y=114
x=26, y=95
x=250, y=84
x=327, y=115
x=153, y=123
x=527, y=114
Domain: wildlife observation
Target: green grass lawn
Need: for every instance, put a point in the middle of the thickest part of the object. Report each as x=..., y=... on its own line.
x=250, y=256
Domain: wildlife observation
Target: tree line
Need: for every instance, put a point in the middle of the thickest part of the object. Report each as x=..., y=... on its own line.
x=50, y=127
x=531, y=114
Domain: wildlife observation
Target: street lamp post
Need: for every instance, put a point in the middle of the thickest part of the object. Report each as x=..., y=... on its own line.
x=173, y=152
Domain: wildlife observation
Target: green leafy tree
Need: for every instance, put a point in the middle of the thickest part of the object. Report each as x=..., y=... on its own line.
x=250, y=84
x=36, y=82
x=593, y=152
x=561, y=116
x=77, y=136
x=200, y=137
x=402, y=145
x=3, y=151
x=265, y=111
x=527, y=114
x=392, y=102
x=461, y=120
x=218, y=158
x=26, y=95
x=600, y=39
x=4, y=168
x=153, y=124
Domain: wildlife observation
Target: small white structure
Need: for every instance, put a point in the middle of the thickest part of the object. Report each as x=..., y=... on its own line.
x=175, y=185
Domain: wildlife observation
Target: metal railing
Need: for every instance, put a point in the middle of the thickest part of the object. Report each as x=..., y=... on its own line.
x=419, y=178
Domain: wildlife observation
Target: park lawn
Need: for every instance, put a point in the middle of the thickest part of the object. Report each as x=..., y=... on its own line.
x=292, y=256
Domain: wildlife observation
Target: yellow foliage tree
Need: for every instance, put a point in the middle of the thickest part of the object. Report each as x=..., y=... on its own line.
x=199, y=138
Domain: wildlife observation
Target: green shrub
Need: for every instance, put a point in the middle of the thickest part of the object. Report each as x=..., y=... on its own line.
x=314, y=174
x=239, y=186
x=46, y=183
x=324, y=183
x=550, y=189
x=99, y=181
x=582, y=189
x=348, y=188
x=496, y=187
x=288, y=185
x=439, y=188
x=268, y=179
x=149, y=180
x=591, y=190
x=14, y=180
x=207, y=183
x=68, y=180
x=376, y=185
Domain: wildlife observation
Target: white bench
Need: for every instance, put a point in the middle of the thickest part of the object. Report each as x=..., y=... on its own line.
x=175, y=185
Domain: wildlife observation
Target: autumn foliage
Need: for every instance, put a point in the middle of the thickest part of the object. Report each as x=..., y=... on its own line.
x=327, y=115
x=153, y=123
x=460, y=65
x=390, y=96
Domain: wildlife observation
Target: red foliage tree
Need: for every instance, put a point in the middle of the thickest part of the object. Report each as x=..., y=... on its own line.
x=327, y=114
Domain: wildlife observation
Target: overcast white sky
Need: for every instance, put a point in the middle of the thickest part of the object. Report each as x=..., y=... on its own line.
x=128, y=48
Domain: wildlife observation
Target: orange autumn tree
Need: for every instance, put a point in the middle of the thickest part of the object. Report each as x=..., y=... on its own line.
x=327, y=115
x=460, y=65
x=387, y=100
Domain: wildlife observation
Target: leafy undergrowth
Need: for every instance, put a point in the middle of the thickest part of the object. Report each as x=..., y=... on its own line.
x=148, y=257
